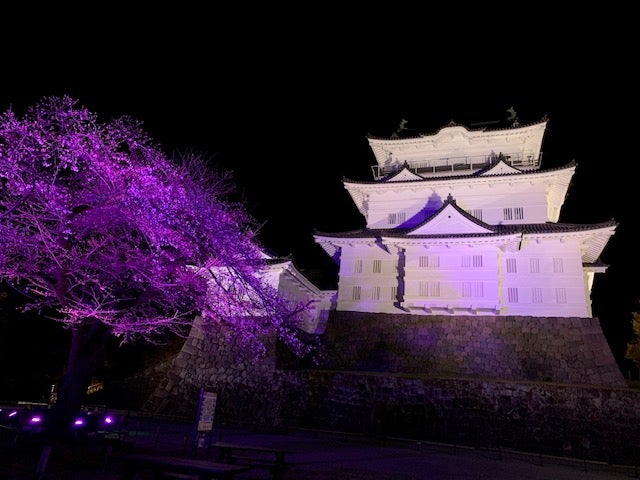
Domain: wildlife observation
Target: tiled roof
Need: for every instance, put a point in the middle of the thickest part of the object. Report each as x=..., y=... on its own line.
x=456, y=177
x=279, y=260
x=510, y=229
x=454, y=124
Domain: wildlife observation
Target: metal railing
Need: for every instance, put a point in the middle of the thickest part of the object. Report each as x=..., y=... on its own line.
x=443, y=165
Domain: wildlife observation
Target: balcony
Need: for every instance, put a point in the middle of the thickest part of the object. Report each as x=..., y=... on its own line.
x=445, y=166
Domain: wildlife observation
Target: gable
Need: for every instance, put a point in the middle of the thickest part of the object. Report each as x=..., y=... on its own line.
x=500, y=168
x=403, y=175
x=449, y=220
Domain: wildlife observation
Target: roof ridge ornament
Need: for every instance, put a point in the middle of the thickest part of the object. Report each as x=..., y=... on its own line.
x=402, y=127
x=513, y=116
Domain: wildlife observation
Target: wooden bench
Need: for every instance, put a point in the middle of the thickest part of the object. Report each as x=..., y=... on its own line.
x=273, y=459
x=162, y=465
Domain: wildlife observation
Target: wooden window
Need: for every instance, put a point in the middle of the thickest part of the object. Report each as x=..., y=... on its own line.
x=518, y=213
x=476, y=212
x=357, y=266
x=396, y=218
x=536, y=295
x=357, y=292
x=534, y=265
x=375, y=292
x=429, y=261
x=472, y=289
x=558, y=266
x=429, y=289
x=471, y=261
x=377, y=266
x=394, y=293
x=515, y=213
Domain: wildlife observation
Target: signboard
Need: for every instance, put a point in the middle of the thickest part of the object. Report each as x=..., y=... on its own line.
x=206, y=410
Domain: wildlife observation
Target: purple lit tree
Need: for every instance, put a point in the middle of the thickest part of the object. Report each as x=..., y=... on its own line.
x=110, y=237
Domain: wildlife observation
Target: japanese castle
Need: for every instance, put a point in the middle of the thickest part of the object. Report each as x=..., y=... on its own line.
x=465, y=222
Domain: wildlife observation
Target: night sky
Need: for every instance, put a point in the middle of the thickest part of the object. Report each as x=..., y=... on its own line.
x=287, y=109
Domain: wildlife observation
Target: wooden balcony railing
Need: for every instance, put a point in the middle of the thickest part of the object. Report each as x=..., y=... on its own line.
x=441, y=166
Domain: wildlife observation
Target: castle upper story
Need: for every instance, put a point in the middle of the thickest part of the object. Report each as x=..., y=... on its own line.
x=494, y=175
x=456, y=150
x=465, y=222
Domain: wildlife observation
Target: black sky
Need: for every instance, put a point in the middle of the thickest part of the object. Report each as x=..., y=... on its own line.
x=287, y=107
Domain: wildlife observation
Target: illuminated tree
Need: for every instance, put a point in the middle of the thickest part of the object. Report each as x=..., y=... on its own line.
x=633, y=348
x=109, y=236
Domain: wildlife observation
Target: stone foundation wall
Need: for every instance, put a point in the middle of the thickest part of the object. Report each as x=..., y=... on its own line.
x=248, y=389
x=567, y=350
x=552, y=418
x=535, y=384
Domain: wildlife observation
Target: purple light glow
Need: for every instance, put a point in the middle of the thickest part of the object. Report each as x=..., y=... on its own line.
x=36, y=419
x=14, y=413
x=108, y=420
x=129, y=219
x=79, y=422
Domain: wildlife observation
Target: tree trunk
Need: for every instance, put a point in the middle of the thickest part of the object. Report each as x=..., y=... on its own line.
x=88, y=344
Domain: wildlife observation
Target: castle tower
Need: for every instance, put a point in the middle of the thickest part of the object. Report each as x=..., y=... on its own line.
x=465, y=222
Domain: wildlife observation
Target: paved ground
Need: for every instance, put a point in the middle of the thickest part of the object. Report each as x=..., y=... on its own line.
x=316, y=456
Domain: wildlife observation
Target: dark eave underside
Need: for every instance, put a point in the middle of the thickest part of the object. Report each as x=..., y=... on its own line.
x=512, y=229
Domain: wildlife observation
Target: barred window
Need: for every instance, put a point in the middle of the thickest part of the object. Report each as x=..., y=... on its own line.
x=512, y=295
x=471, y=261
x=558, y=267
x=536, y=295
x=377, y=266
x=357, y=266
x=561, y=295
x=518, y=213
x=476, y=212
x=394, y=293
x=534, y=265
x=375, y=292
x=429, y=289
x=356, y=293
x=429, y=261
x=511, y=265
x=510, y=213
x=472, y=289
x=396, y=218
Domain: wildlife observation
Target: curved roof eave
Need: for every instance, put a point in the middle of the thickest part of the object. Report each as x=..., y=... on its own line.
x=383, y=182
x=520, y=228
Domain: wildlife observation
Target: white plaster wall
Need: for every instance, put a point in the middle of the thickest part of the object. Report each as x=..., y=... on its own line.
x=480, y=283
x=490, y=198
x=458, y=284
x=576, y=301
